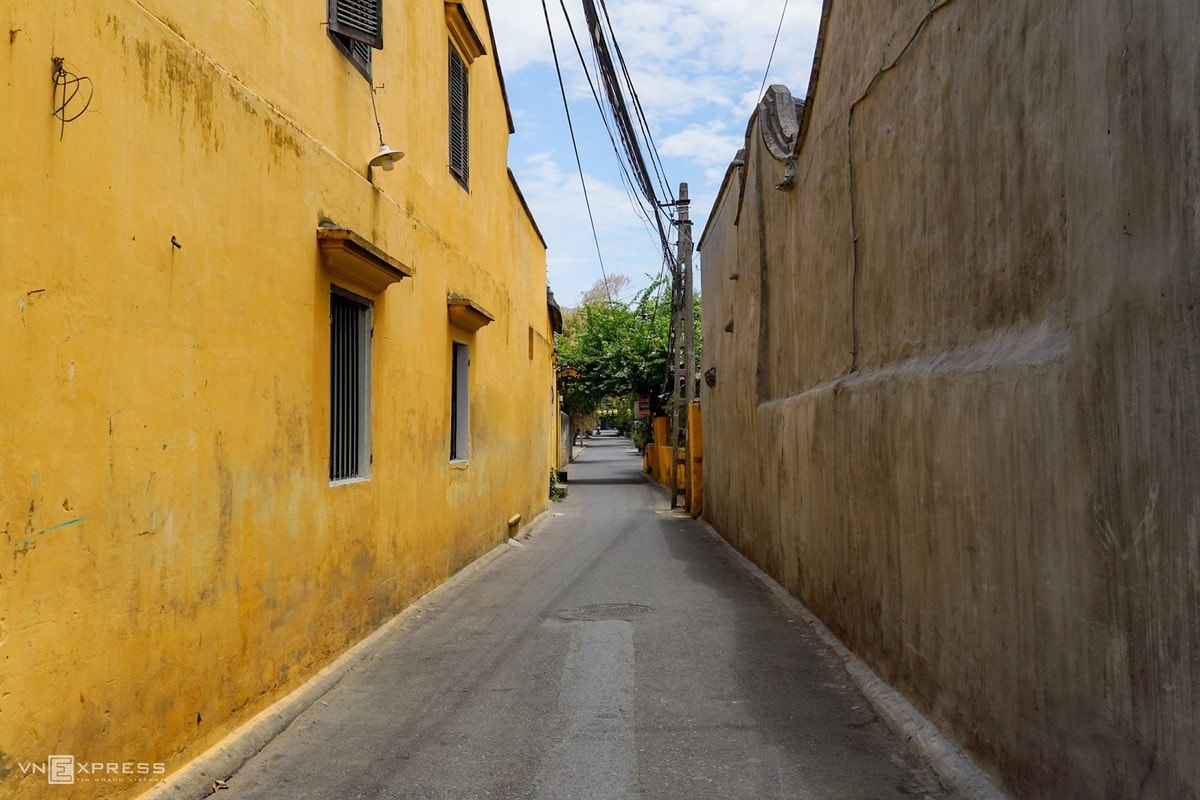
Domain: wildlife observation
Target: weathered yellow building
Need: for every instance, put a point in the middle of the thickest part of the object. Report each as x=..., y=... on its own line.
x=258, y=395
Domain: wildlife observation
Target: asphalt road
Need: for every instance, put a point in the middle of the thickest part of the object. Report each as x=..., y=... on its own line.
x=618, y=655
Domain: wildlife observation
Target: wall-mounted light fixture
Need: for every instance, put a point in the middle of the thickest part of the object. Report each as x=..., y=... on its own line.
x=386, y=158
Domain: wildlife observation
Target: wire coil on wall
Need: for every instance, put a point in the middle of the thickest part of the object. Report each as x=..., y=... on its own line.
x=68, y=87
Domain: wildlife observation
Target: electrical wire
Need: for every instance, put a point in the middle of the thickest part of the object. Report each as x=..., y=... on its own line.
x=771, y=57
x=626, y=122
x=620, y=111
x=616, y=101
x=574, y=145
x=609, y=120
x=652, y=147
x=68, y=85
x=625, y=180
x=639, y=206
x=636, y=202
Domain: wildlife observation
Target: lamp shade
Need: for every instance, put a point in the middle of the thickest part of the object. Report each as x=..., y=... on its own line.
x=386, y=158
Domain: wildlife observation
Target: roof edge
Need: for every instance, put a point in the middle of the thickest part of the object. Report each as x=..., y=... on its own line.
x=487, y=15
x=805, y=118
x=512, y=180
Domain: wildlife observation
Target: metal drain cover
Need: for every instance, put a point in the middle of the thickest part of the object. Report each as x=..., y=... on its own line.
x=604, y=611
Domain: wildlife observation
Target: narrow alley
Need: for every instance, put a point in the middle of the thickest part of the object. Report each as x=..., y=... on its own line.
x=618, y=653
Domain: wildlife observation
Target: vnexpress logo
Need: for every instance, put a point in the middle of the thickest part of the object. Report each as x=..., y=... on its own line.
x=60, y=770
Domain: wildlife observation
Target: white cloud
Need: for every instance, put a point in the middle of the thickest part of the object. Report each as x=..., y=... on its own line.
x=627, y=243
x=707, y=144
x=689, y=49
x=520, y=31
x=697, y=66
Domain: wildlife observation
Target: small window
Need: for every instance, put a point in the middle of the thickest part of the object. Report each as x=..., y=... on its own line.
x=349, y=386
x=356, y=27
x=460, y=161
x=459, y=401
x=358, y=53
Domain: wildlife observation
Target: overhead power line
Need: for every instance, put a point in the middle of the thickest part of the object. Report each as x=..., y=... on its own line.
x=628, y=131
x=771, y=57
x=655, y=161
x=578, y=163
x=619, y=109
x=636, y=201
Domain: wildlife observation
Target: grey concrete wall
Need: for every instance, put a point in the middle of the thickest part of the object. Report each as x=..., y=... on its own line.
x=958, y=412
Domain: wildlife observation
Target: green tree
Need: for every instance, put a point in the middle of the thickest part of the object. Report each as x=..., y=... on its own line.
x=616, y=351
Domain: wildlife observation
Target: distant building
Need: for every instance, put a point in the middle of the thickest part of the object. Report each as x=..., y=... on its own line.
x=258, y=395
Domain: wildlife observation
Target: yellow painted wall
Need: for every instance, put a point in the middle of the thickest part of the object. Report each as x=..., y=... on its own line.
x=176, y=558
x=657, y=458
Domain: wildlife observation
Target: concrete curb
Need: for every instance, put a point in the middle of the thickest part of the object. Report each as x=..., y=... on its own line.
x=195, y=779
x=956, y=770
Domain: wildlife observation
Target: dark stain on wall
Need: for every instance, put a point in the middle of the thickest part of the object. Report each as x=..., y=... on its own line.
x=224, y=506
x=177, y=79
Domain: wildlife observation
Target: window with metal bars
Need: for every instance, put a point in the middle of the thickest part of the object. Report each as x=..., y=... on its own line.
x=460, y=362
x=460, y=161
x=349, y=386
x=356, y=27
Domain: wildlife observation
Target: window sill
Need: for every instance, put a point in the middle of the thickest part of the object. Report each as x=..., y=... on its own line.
x=349, y=481
x=461, y=463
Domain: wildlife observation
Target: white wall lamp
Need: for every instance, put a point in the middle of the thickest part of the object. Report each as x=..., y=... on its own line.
x=386, y=158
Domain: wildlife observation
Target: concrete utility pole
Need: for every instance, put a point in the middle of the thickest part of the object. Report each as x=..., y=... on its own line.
x=683, y=355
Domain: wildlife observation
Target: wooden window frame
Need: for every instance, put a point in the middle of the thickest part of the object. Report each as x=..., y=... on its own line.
x=356, y=27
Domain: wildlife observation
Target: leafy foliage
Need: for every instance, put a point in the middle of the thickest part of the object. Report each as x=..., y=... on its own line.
x=613, y=350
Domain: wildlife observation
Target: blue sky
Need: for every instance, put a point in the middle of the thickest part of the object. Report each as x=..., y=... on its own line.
x=697, y=66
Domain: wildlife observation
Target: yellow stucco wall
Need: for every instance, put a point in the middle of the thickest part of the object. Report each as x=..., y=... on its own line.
x=658, y=456
x=176, y=557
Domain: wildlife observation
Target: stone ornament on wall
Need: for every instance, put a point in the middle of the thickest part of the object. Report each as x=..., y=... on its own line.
x=779, y=122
